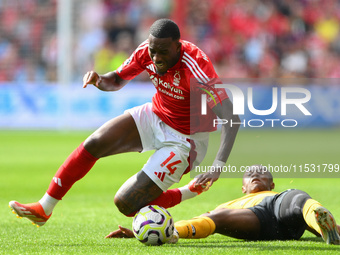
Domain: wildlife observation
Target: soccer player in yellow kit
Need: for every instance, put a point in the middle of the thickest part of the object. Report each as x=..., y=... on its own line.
x=261, y=214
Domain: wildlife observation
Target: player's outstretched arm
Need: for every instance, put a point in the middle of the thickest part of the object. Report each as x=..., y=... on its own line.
x=228, y=132
x=121, y=233
x=228, y=135
x=107, y=82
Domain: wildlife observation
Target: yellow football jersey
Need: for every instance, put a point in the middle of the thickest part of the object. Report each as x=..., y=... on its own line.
x=247, y=200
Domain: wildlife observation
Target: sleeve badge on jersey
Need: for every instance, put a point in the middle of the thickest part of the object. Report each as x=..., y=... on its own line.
x=128, y=61
x=211, y=91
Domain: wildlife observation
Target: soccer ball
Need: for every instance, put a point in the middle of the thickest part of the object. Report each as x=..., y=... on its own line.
x=153, y=225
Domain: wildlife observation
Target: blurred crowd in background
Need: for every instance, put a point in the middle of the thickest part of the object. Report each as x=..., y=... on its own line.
x=244, y=39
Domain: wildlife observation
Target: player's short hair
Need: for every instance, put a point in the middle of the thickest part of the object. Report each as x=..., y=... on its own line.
x=260, y=168
x=165, y=28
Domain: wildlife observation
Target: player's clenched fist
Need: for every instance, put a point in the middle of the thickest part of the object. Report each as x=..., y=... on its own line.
x=91, y=77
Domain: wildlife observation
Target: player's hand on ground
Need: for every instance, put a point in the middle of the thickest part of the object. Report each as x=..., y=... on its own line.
x=91, y=77
x=207, y=178
x=121, y=233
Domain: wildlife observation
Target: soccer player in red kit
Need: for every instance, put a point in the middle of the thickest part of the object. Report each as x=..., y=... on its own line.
x=163, y=126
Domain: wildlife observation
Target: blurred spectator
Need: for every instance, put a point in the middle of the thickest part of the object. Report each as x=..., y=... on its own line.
x=266, y=38
x=112, y=55
x=327, y=27
x=8, y=57
x=24, y=25
x=90, y=37
x=258, y=38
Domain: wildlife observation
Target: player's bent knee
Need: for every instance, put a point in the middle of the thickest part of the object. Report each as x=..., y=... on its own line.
x=138, y=191
x=123, y=207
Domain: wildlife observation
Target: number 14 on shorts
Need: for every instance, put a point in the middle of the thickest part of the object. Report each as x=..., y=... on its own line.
x=171, y=166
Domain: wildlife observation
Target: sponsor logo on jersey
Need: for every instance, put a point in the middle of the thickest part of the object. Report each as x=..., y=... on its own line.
x=167, y=88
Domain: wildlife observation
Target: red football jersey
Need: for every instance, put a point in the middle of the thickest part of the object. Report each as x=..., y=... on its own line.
x=174, y=102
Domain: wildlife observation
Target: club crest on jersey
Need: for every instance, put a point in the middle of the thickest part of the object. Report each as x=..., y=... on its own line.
x=177, y=78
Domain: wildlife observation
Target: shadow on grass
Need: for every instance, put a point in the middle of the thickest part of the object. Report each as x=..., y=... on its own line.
x=309, y=243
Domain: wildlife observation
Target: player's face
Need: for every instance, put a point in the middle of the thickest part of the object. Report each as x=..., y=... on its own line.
x=164, y=53
x=257, y=179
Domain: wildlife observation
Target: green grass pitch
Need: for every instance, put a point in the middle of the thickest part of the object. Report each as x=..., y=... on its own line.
x=28, y=161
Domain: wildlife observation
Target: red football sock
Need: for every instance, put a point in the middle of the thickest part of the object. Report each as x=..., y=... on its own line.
x=75, y=167
x=167, y=199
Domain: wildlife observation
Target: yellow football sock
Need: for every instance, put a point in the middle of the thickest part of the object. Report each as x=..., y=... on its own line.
x=198, y=227
x=308, y=214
